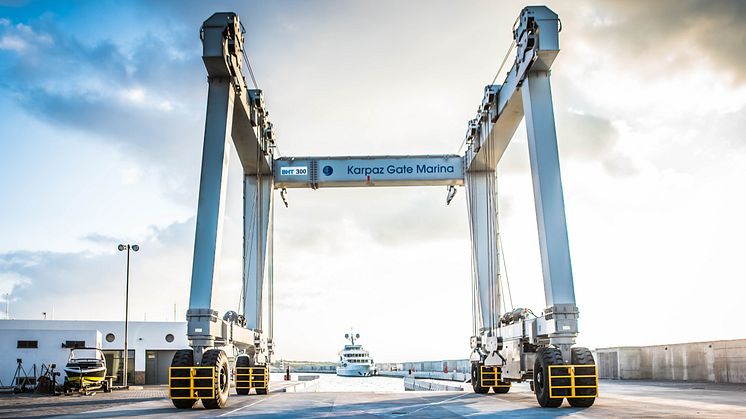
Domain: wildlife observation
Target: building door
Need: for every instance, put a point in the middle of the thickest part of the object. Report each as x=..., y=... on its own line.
x=151, y=368
x=156, y=366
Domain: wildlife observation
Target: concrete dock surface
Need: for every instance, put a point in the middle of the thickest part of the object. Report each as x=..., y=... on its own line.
x=618, y=399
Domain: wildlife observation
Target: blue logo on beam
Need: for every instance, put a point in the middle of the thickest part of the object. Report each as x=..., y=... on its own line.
x=327, y=170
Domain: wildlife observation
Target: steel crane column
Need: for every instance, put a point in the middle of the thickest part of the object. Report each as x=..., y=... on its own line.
x=210, y=209
x=258, y=209
x=550, y=211
x=238, y=114
x=482, y=206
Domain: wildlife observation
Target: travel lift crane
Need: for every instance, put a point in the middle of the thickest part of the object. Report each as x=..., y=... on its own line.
x=513, y=347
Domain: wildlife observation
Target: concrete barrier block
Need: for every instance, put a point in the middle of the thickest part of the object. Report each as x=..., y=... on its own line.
x=716, y=361
x=736, y=361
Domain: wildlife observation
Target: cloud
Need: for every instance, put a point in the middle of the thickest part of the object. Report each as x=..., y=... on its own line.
x=42, y=280
x=130, y=175
x=142, y=96
x=152, y=133
x=11, y=280
x=19, y=37
x=12, y=43
x=581, y=137
x=586, y=136
x=620, y=165
x=667, y=35
x=594, y=139
x=384, y=216
x=98, y=238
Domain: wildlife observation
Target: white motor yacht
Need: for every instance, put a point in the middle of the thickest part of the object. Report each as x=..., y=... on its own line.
x=354, y=360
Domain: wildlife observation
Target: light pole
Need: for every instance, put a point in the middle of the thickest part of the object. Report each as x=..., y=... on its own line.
x=121, y=248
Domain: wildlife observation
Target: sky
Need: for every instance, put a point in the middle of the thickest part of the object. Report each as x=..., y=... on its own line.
x=102, y=108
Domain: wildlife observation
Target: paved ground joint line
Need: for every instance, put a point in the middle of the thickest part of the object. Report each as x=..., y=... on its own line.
x=437, y=403
x=248, y=405
x=332, y=404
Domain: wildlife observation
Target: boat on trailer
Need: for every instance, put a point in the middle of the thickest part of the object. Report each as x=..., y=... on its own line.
x=86, y=370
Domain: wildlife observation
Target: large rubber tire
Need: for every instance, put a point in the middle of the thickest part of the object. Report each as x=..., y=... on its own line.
x=262, y=391
x=217, y=358
x=183, y=358
x=242, y=361
x=501, y=390
x=476, y=378
x=544, y=358
x=582, y=356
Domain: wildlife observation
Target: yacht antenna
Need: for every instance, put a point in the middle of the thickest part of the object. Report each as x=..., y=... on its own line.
x=352, y=336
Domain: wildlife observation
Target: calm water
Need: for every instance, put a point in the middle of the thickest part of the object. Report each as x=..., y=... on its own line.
x=335, y=383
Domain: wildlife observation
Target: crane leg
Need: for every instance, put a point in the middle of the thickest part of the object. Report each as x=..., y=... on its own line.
x=482, y=207
x=258, y=208
x=209, y=230
x=559, y=291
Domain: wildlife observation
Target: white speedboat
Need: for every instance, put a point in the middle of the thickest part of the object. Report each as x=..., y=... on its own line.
x=85, y=366
x=354, y=360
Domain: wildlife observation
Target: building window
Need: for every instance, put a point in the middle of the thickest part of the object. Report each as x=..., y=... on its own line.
x=28, y=344
x=115, y=365
x=74, y=344
x=169, y=338
x=110, y=337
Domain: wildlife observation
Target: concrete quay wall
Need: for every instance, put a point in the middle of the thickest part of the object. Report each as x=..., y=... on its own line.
x=412, y=384
x=450, y=365
x=325, y=369
x=432, y=375
x=722, y=361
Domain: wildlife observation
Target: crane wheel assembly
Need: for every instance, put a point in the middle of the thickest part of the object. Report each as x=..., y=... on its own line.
x=180, y=383
x=241, y=363
x=249, y=375
x=476, y=379
x=486, y=377
x=209, y=382
x=546, y=357
x=507, y=344
x=587, y=386
x=554, y=380
x=221, y=385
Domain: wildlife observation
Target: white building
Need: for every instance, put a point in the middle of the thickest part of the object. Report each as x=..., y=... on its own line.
x=151, y=346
